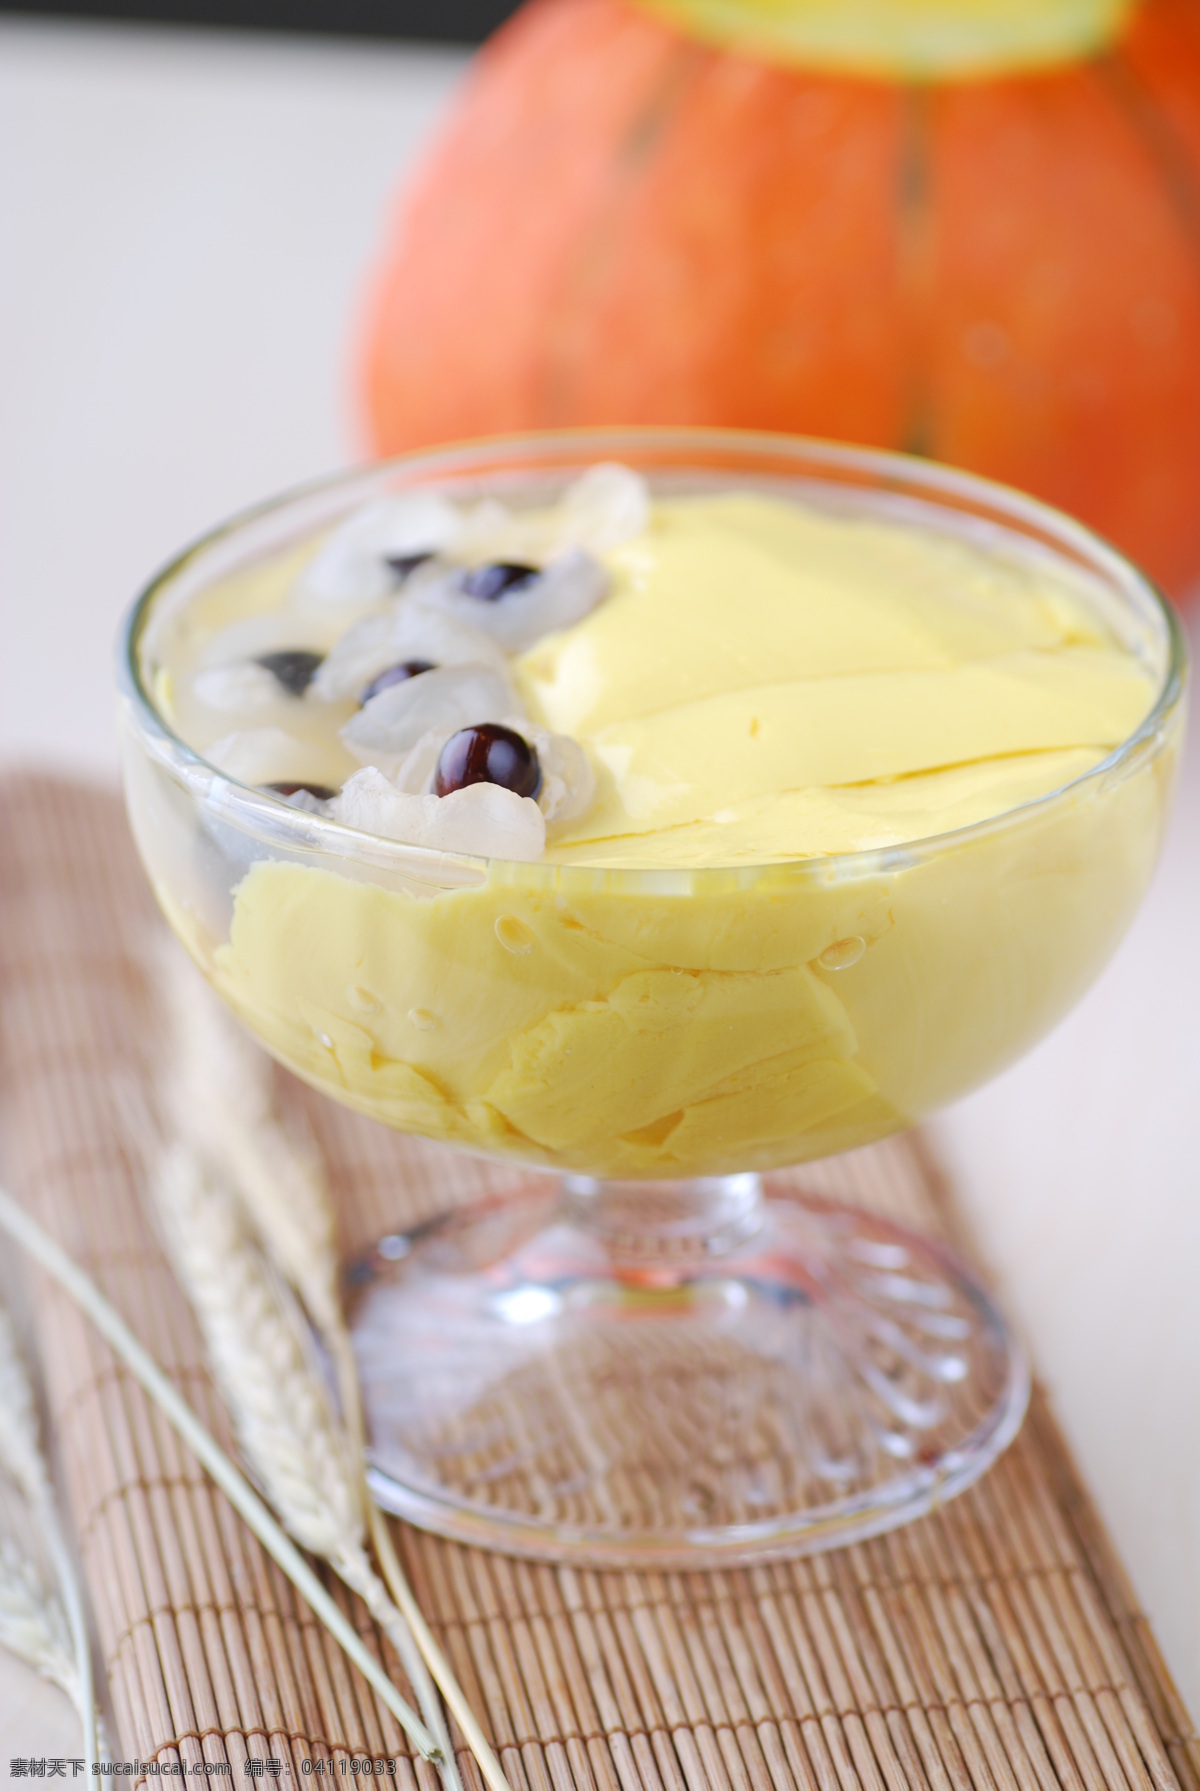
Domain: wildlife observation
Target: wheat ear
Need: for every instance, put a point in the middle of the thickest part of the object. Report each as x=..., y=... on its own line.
x=48, y=1631
x=219, y=1097
x=33, y=1623
x=141, y=1364
x=260, y=1355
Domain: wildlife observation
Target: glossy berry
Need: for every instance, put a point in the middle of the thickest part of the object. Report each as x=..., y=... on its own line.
x=394, y=674
x=322, y=792
x=405, y=564
x=498, y=579
x=488, y=754
x=294, y=668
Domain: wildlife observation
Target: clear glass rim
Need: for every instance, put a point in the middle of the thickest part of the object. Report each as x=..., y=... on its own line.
x=272, y=820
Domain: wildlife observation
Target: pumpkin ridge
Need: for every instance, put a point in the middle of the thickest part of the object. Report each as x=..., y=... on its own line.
x=914, y=227
x=647, y=132
x=1157, y=136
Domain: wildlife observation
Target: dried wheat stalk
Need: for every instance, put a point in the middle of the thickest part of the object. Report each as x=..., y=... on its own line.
x=45, y=1628
x=258, y=1352
x=33, y=1623
x=36, y=1242
x=217, y=1097
x=239, y=1168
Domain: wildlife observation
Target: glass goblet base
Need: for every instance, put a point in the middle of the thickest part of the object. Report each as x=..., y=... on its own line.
x=675, y=1375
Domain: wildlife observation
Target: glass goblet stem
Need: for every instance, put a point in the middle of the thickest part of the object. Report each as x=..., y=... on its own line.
x=636, y=1221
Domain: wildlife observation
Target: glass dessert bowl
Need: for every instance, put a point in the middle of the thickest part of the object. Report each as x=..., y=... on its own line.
x=875, y=786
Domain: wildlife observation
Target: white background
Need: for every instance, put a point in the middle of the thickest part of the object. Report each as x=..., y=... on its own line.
x=186, y=223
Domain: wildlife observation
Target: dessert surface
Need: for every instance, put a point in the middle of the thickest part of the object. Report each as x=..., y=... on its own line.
x=714, y=679
x=662, y=723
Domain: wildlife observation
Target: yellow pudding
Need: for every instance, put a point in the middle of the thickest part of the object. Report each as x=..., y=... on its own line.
x=742, y=950
x=767, y=682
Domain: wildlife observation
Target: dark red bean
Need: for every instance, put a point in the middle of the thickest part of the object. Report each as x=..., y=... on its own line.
x=488, y=754
x=405, y=564
x=294, y=668
x=322, y=792
x=499, y=579
x=394, y=674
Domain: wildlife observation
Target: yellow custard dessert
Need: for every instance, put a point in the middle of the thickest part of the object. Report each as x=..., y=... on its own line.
x=766, y=682
x=721, y=938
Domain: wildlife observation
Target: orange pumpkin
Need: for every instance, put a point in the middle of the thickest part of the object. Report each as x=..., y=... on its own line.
x=989, y=254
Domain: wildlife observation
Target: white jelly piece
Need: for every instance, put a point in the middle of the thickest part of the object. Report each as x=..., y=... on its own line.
x=568, y=781
x=305, y=800
x=239, y=688
x=607, y=506
x=401, y=632
x=269, y=756
x=604, y=507
x=441, y=701
x=563, y=593
x=482, y=819
x=415, y=771
x=352, y=565
x=489, y=530
x=491, y=821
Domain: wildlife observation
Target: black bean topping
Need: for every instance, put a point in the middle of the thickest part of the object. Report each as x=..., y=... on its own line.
x=322, y=792
x=488, y=754
x=294, y=668
x=394, y=674
x=405, y=564
x=499, y=579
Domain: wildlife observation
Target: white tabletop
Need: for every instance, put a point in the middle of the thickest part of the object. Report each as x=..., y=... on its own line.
x=187, y=222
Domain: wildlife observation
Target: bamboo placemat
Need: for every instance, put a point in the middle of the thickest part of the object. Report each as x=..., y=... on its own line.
x=995, y=1644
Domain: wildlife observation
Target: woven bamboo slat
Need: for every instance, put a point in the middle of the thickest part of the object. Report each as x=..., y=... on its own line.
x=994, y=1645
